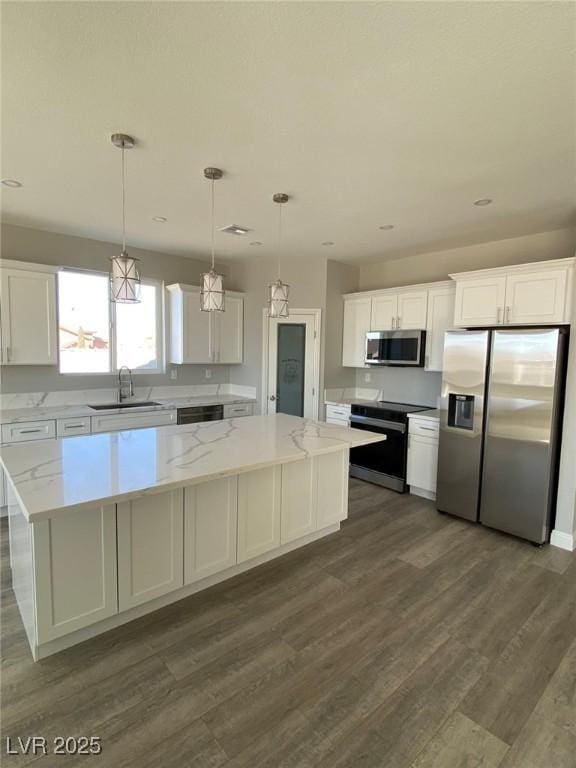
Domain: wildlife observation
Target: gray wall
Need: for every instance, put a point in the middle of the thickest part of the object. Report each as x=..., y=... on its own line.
x=427, y=267
x=403, y=385
x=33, y=245
x=340, y=279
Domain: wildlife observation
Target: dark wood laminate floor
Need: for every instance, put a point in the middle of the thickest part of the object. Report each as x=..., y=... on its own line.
x=407, y=640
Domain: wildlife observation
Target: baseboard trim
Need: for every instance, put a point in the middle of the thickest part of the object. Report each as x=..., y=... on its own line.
x=563, y=540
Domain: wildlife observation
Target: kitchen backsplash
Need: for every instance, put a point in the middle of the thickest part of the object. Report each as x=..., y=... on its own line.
x=401, y=385
x=108, y=395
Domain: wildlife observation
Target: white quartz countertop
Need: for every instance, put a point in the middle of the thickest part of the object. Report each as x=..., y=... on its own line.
x=50, y=477
x=15, y=415
x=432, y=415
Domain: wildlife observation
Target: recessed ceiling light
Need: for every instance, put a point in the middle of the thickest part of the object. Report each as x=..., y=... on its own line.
x=386, y=226
x=234, y=229
x=328, y=242
x=483, y=201
x=11, y=183
x=161, y=219
x=256, y=242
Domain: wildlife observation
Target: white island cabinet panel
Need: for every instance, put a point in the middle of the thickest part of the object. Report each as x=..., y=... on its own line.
x=150, y=547
x=210, y=523
x=298, y=500
x=259, y=494
x=331, y=472
x=75, y=571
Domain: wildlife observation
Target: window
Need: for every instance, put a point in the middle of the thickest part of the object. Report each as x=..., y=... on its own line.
x=98, y=336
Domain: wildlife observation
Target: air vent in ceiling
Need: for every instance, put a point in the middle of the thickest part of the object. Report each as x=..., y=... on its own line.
x=234, y=229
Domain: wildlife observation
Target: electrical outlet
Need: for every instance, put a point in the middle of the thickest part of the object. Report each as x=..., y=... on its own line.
x=367, y=377
x=208, y=373
x=174, y=373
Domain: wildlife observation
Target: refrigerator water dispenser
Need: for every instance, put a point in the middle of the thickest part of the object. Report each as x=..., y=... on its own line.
x=461, y=411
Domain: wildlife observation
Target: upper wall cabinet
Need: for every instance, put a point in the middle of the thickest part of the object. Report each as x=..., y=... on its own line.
x=28, y=317
x=439, y=319
x=528, y=294
x=356, y=325
x=406, y=310
x=204, y=337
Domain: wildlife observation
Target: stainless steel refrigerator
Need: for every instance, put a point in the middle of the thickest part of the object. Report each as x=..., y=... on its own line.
x=500, y=423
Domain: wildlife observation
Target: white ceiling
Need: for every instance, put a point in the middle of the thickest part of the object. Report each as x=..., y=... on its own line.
x=367, y=113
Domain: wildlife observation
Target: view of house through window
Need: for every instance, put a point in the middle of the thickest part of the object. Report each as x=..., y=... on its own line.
x=97, y=336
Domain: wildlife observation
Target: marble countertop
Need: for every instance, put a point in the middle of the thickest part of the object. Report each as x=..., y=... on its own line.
x=432, y=415
x=16, y=415
x=50, y=477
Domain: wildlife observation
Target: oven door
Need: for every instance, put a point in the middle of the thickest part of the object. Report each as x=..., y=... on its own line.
x=395, y=347
x=382, y=463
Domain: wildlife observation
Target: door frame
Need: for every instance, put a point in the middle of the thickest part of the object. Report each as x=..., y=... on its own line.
x=317, y=315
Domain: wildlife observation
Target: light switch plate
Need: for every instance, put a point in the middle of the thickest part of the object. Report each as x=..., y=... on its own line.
x=367, y=377
x=208, y=373
x=174, y=373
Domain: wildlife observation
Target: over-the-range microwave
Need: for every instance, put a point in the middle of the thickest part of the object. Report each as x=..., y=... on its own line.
x=395, y=347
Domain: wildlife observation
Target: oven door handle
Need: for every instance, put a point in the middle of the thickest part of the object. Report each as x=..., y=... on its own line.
x=378, y=423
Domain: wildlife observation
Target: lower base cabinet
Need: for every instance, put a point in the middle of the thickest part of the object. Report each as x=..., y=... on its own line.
x=259, y=498
x=331, y=488
x=75, y=571
x=298, y=500
x=150, y=547
x=210, y=525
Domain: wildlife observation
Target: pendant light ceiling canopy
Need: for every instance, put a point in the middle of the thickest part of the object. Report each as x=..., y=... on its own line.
x=212, y=287
x=125, y=280
x=278, y=292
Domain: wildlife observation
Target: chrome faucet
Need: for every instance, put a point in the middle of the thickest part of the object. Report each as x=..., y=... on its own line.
x=125, y=383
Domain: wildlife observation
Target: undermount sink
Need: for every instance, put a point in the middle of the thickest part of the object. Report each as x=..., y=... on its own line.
x=111, y=406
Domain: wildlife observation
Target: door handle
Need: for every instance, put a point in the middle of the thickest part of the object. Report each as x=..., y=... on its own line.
x=398, y=323
x=499, y=316
x=272, y=397
x=393, y=323
x=507, y=314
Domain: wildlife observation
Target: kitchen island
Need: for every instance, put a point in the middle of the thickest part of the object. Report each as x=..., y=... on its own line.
x=107, y=527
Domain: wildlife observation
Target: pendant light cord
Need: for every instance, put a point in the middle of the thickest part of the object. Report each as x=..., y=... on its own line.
x=279, y=236
x=123, y=202
x=212, y=221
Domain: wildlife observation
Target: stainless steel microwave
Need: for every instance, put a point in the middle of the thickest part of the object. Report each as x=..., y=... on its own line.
x=395, y=348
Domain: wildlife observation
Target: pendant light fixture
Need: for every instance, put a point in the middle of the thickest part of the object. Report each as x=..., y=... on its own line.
x=212, y=290
x=278, y=291
x=125, y=277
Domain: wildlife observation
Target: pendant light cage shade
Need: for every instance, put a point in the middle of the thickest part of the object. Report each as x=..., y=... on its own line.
x=125, y=277
x=212, y=292
x=125, y=280
x=278, y=299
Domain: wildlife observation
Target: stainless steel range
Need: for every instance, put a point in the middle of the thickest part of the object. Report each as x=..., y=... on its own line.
x=383, y=463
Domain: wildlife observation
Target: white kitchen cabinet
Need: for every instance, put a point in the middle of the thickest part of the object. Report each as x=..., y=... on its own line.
x=384, y=313
x=74, y=571
x=79, y=425
x=3, y=494
x=357, y=314
x=440, y=318
x=331, y=471
x=525, y=294
x=411, y=313
x=28, y=317
x=150, y=547
x=210, y=524
x=24, y=431
x=480, y=301
x=113, y=422
x=235, y=410
x=259, y=497
x=204, y=337
x=536, y=297
x=229, y=336
x=338, y=414
x=422, y=465
x=298, y=505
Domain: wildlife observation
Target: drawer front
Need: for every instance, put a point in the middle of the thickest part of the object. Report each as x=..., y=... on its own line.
x=341, y=412
x=238, y=409
x=70, y=427
x=28, y=430
x=115, y=422
x=423, y=428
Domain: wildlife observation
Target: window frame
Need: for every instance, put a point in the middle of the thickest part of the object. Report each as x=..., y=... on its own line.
x=160, y=329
